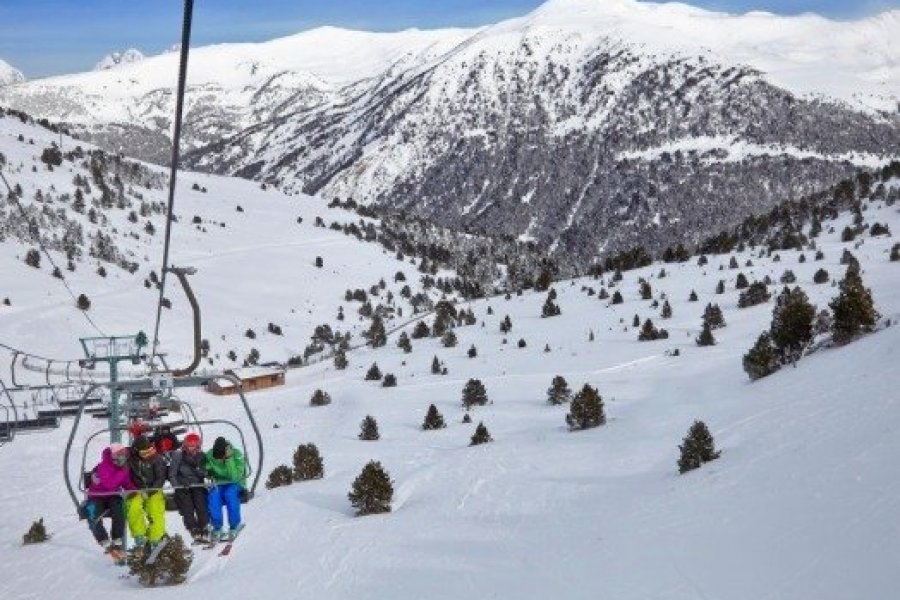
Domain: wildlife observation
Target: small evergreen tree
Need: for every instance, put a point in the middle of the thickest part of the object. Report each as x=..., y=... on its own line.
x=550, y=308
x=390, y=380
x=720, y=287
x=853, y=310
x=404, y=344
x=895, y=253
x=374, y=373
x=449, y=339
x=559, y=391
x=474, y=394
x=706, y=337
x=741, y=282
x=645, y=290
x=481, y=436
x=377, y=334
x=467, y=418
x=617, y=298
x=307, y=463
x=33, y=258
x=506, y=325
x=279, y=477
x=757, y=293
x=83, y=302
x=698, y=447
x=368, y=429
x=586, y=410
x=340, y=360
x=666, y=310
x=788, y=277
x=712, y=317
x=36, y=534
x=170, y=568
x=421, y=330
x=473, y=351
x=649, y=332
x=792, y=324
x=320, y=398
x=693, y=296
x=372, y=491
x=762, y=360
x=820, y=276
x=433, y=419
x=435, y=366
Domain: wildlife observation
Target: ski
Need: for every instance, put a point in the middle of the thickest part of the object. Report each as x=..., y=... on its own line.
x=154, y=554
x=232, y=536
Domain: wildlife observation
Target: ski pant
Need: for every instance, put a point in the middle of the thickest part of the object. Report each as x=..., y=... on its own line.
x=107, y=506
x=228, y=494
x=191, y=503
x=146, y=513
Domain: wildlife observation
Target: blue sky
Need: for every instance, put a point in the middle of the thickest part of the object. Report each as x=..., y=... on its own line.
x=47, y=37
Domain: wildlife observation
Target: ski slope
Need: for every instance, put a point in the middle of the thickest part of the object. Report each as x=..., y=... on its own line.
x=801, y=505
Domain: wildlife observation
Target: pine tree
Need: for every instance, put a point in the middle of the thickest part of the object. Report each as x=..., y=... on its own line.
x=506, y=325
x=433, y=419
x=368, y=429
x=895, y=253
x=170, y=568
x=762, y=360
x=741, y=282
x=320, y=398
x=372, y=491
x=853, y=310
x=83, y=302
x=279, y=477
x=435, y=366
x=36, y=534
x=467, y=418
x=377, y=334
x=481, y=436
x=340, y=360
x=617, y=298
x=474, y=394
x=390, y=380
x=706, y=337
x=649, y=332
x=307, y=463
x=559, y=391
x=720, y=287
x=473, y=351
x=792, y=324
x=698, y=447
x=666, y=310
x=712, y=316
x=756, y=294
x=693, y=296
x=636, y=321
x=449, y=339
x=550, y=308
x=586, y=410
x=404, y=344
x=374, y=373
x=645, y=290
x=421, y=330
x=820, y=276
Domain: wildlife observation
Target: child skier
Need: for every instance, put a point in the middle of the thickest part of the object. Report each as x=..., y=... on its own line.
x=188, y=475
x=109, y=479
x=146, y=508
x=225, y=465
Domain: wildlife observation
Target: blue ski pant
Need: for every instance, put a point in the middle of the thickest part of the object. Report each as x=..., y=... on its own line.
x=227, y=496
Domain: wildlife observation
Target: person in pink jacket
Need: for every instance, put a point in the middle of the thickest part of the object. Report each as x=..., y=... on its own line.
x=109, y=479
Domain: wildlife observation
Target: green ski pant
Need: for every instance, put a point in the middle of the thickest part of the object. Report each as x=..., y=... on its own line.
x=146, y=513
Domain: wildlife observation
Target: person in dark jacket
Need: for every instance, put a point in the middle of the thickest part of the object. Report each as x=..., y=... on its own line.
x=146, y=508
x=188, y=475
x=164, y=440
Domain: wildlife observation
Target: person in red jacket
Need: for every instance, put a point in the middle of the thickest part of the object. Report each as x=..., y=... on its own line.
x=109, y=480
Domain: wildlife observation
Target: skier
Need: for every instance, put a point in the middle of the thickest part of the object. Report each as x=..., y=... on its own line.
x=164, y=440
x=225, y=466
x=109, y=479
x=146, y=508
x=187, y=474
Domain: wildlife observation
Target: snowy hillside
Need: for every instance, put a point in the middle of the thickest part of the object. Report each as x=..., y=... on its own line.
x=799, y=506
x=9, y=75
x=585, y=96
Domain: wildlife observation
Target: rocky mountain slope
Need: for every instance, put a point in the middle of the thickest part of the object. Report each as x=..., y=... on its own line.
x=9, y=74
x=586, y=126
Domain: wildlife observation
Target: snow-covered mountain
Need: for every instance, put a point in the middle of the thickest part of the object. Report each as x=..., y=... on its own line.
x=116, y=59
x=587, y=126
x=9, y=74
x=800, y=505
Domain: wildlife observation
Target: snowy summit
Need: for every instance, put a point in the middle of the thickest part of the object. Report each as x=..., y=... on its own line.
x=117, y=59
x=9, y=74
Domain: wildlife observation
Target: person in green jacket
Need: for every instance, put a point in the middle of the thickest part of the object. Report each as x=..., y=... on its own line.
x=226, y=467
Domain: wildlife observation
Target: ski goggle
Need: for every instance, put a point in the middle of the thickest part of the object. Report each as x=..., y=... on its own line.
x=147, y=452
